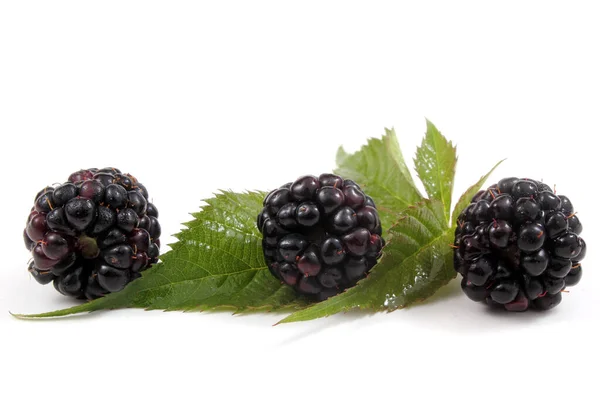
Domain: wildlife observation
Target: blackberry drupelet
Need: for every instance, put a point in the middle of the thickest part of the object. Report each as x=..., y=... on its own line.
x=320, y=235
x=93, y=234
x=517, y=246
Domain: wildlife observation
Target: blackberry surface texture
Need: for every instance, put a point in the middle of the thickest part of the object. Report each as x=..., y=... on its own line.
x=93, y=234
x=320, y=235
x=517, y=246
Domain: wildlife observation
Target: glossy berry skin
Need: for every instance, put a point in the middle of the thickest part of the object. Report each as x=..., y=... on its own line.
x=85, y=235
x=518, y=245
x=321, y=235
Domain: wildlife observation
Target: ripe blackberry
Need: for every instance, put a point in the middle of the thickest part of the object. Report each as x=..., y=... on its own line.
x=518, y=246
x=93, y=234
x=320, y=235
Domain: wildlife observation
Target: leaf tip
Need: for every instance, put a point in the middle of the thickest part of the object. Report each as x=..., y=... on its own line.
x=390, y=134
x=18, y=316
x=341, y=152
x=286, y=320
x=430, y=125
x=24, y=317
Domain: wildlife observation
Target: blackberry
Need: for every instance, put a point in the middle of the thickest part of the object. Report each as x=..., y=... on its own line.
x=320, y=235
x=517, y=246
x=93, y=234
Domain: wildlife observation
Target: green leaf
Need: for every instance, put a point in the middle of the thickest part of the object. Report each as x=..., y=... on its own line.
x=436, y=163
x=381, y=171
x=417, y=261
x=466, y=197
x=216, y=263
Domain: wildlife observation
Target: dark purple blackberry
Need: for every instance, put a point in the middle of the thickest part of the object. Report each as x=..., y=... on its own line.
x=517, y=246
x=320, y=235
x=93, y=234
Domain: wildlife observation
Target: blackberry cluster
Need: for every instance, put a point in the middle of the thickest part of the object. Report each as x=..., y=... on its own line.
x=93, y=234
x=518, y=246
x=320, y=235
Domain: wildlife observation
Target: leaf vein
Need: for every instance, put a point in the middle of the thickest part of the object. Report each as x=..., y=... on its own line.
x=173, y=283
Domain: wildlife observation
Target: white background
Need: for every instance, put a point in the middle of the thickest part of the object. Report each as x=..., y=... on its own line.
x=196, y=96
